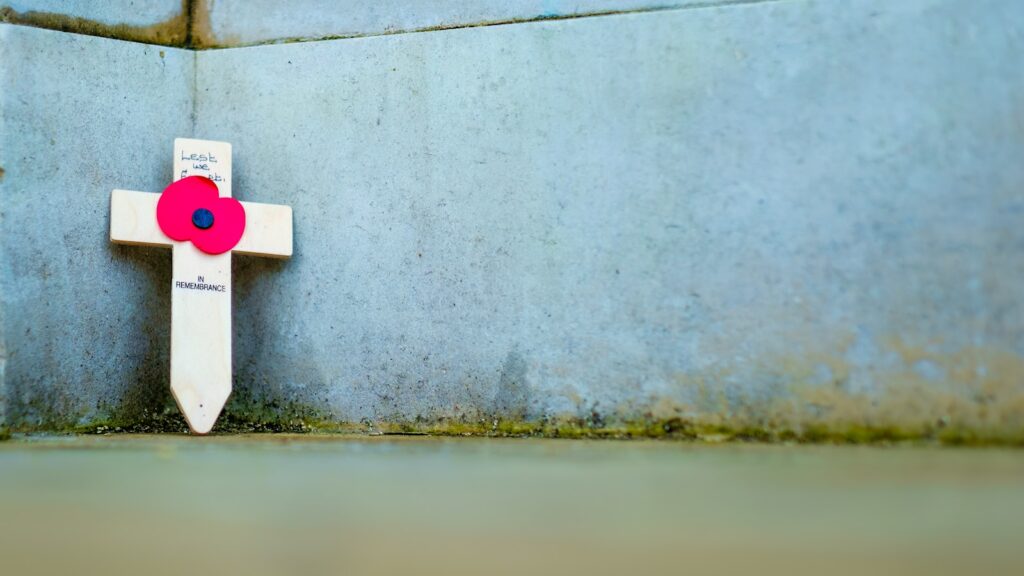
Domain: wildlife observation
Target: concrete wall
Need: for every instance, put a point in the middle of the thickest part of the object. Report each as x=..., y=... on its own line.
x=233, y=23
x=84, y=322
x=764, y=216
x=246, y=22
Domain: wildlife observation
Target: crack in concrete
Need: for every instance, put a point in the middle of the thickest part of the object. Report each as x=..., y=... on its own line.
x=195, y=89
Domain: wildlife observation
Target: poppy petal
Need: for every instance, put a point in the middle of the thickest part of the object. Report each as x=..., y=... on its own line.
x=228, y=227
x=177, y=203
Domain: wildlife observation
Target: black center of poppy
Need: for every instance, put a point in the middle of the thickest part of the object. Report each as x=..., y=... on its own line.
x=202, y=218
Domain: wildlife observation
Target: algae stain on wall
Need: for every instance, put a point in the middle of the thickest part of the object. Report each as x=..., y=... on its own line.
x=968, y=394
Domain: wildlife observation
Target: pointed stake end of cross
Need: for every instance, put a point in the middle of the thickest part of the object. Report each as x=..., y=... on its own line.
x=201, y=407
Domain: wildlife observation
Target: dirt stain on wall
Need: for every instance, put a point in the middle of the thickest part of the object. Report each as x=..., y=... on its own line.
x=175, y=31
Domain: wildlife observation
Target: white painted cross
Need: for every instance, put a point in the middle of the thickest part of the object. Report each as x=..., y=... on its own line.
x=201, y=282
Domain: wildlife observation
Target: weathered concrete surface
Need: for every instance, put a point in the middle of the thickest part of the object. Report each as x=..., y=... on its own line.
x=765, y=216
x=761, y=214
x=155, y=21
x=84, y=323
x=230, y=23
x=246, y=22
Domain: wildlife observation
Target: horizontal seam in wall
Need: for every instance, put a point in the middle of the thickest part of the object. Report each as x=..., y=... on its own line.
x=192, y=41
x=489, y=23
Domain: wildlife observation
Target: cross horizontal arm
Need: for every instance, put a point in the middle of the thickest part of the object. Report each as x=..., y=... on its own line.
x=133, y=219
x=268, y=231
x=268, y=227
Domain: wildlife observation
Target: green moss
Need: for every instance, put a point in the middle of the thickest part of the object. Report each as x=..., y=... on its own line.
x=968, y=437
x=243, y=414
x=247, y=412
x=247, y=415
x=671, y=430
x=752, y=434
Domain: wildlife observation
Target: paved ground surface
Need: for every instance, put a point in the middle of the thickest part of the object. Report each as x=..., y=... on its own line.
x=312, y=505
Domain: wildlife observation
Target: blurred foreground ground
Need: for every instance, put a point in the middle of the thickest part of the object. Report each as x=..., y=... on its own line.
x=356, y=505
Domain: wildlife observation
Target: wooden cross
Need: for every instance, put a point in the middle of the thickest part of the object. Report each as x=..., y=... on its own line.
x=201, y=282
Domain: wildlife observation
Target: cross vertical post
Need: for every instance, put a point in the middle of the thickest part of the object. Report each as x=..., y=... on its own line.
x=201, y=319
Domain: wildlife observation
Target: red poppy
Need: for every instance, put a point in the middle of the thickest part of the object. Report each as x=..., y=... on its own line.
x=192, y=209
